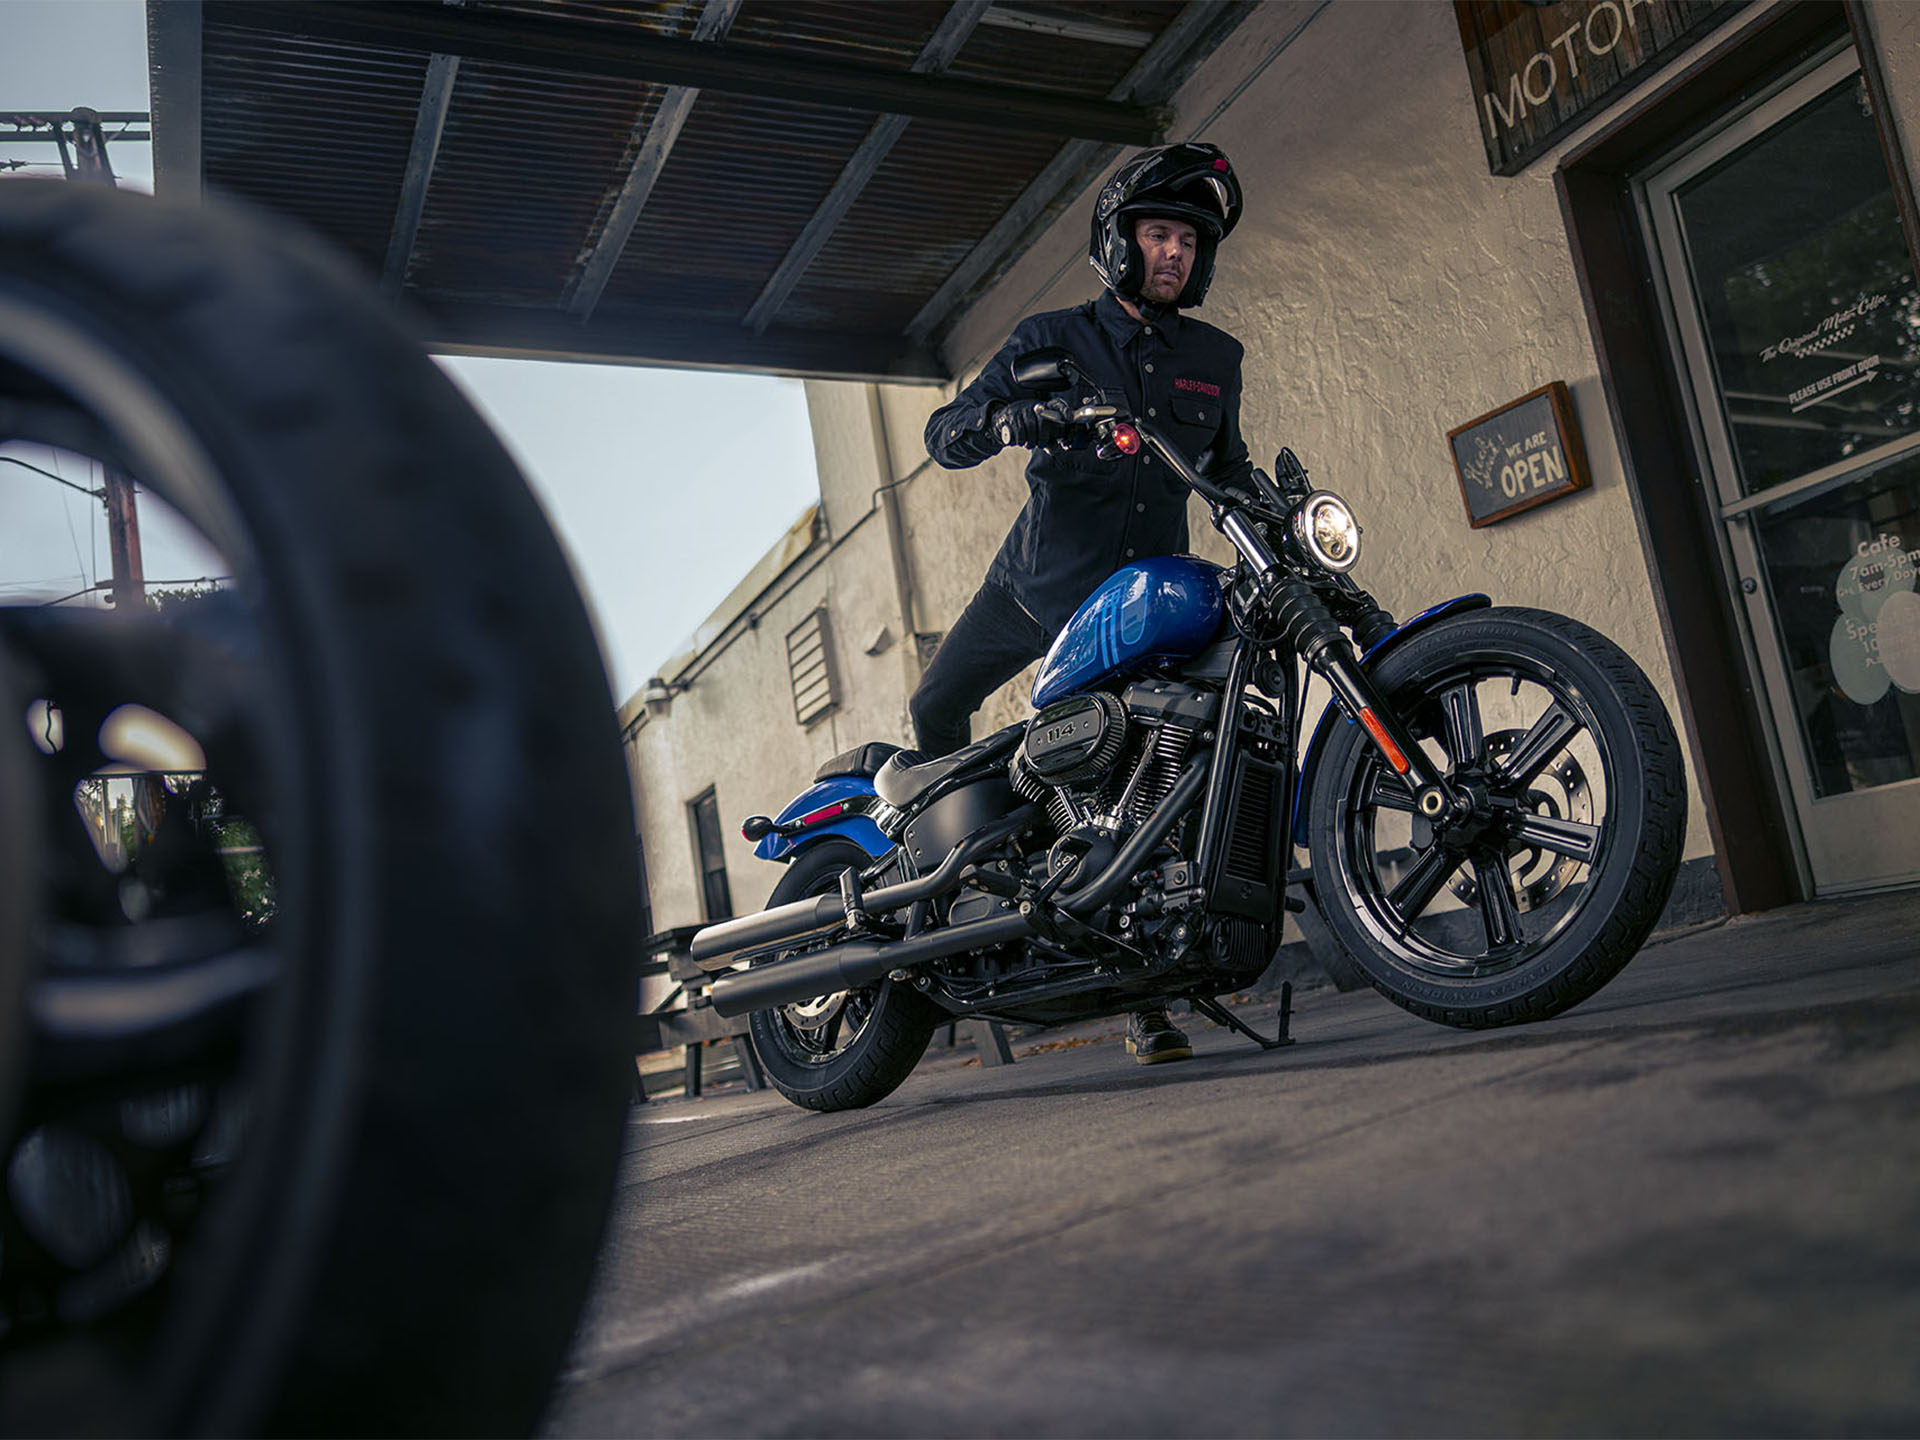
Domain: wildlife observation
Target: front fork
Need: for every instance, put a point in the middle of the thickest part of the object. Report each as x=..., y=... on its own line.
x=1309, y=627
x=1432, y=796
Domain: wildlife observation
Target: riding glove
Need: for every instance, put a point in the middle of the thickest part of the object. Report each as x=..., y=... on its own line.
x=1029, y=422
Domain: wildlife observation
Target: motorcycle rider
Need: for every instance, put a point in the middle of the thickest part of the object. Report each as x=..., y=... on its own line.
x=1157, y=225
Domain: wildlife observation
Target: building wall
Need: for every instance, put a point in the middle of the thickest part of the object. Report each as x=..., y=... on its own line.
x=1387, y=288
x=1895, y=25
x=733, y=727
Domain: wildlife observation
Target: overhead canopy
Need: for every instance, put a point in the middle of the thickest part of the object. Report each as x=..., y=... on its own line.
x=814, y=187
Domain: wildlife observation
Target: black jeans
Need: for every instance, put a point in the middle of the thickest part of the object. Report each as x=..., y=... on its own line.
x=993, y=640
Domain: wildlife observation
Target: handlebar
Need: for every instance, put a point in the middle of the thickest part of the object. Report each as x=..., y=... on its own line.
x=1118, y=434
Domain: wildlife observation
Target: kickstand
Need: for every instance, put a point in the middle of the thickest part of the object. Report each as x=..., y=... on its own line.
x=1220, y=1015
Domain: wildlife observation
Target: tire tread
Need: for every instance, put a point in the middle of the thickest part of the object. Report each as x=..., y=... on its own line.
x=1650, y=873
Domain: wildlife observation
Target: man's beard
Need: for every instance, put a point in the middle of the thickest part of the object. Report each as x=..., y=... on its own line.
x=1169, y=298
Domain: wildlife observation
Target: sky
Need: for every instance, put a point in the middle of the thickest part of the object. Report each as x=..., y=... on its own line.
x=665, y=486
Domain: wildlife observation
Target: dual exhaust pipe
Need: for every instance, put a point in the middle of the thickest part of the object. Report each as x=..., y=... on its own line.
x=856, y=962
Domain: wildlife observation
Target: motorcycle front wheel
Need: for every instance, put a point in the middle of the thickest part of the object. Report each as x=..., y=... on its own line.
x=1538, y=896
x=316, y=964
x=852, y=1048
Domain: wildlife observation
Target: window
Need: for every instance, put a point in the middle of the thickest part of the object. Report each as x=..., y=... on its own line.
x=709, y=858
x=810, y=666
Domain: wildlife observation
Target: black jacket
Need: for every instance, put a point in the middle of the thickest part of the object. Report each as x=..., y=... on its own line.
x=1086, y=517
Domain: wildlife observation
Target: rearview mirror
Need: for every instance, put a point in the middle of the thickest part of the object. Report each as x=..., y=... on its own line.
x=1290, y=474
x=1047, y=369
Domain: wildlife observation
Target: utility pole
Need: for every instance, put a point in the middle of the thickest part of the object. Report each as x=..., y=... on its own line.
x=88, y=163
x=82, y=140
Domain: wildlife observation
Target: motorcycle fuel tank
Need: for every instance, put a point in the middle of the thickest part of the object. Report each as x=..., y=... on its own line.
x=1166, y=607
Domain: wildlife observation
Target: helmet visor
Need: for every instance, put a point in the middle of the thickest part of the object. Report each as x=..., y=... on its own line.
x=1203, y=198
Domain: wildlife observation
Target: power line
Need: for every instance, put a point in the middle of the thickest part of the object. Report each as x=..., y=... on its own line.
x=57, y=479
x=97, y=585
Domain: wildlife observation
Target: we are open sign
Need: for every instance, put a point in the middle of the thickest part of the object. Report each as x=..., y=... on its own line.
x=1522, y=455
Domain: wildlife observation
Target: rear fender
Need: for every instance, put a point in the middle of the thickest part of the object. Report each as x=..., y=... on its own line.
x=838, y=807
x=1381, y=649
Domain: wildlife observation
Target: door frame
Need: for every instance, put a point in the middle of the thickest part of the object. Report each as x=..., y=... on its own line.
x=1725, y=715
x=1738, y=543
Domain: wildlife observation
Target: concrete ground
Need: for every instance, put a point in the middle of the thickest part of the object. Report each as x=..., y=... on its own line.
x=1690, y=1206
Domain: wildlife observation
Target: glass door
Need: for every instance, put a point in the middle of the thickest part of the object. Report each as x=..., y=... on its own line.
x=1796, y=320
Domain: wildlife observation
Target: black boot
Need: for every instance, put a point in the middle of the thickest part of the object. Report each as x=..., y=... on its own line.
x=1152, y=1038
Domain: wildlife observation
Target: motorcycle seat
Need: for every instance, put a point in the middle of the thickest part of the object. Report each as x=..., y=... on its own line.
x=908, y=774
x=862, y=762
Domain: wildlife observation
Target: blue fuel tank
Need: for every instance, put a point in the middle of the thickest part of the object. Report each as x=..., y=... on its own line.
x=1167, y=607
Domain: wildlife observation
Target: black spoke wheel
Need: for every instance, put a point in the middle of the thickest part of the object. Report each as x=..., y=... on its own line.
x=1552, y=876
x=852, y=1048
x=320, y=1066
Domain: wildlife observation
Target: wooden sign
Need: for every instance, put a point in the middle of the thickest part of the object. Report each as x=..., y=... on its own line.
x=1523, y=454
x=1539, y=66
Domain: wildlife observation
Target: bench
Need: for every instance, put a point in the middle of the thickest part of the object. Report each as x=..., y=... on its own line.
x=686, y=1018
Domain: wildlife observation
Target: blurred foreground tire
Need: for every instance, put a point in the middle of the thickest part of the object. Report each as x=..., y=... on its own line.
x=337, y=1163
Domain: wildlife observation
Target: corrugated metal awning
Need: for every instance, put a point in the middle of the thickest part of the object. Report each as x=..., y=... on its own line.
x=814, y=187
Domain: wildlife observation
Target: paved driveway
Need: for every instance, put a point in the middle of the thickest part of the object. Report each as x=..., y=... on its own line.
x=1690, y=1206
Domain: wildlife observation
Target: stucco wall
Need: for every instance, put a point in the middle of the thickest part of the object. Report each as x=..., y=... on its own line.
x=733, y=727
x=1896, y=33
x=1387, y=289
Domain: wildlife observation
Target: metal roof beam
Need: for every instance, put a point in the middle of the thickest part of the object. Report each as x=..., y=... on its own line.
x=1195, y=32
x=474, y=328
x=41, y=124
x=1068, y=27
x=656, y=143
x=580, y=47
x=436, y=94
x=936, y=55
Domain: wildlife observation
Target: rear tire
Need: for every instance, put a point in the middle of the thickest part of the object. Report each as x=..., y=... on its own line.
x=845, y=1051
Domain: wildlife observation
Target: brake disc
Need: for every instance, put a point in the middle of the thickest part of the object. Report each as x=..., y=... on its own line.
x=817, y=1013
x=1560, y=792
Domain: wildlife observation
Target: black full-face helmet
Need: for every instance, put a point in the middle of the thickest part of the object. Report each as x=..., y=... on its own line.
x=1192, y=182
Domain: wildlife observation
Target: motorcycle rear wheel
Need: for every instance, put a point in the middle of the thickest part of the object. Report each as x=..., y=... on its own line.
x=1570, y=854
x=852, y=1049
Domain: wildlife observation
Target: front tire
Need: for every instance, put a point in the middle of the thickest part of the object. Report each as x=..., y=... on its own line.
x=843, y=1051
x=1543, y=893
x=331, y=1156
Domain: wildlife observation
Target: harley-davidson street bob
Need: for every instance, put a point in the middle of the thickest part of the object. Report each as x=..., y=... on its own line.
x=1492, y=804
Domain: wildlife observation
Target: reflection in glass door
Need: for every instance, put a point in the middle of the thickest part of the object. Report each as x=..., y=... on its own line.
x=1796, y=317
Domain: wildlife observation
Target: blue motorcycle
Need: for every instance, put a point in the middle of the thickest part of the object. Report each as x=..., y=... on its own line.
x=1493, y=806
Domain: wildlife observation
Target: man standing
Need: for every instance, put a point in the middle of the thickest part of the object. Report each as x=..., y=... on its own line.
x=1157, y=226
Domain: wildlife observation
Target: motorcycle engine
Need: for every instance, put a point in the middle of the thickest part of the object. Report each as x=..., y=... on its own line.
x=1074, y=741
x=1100, y=760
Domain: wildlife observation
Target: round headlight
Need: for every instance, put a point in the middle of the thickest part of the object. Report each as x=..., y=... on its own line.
x=1327, y=531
